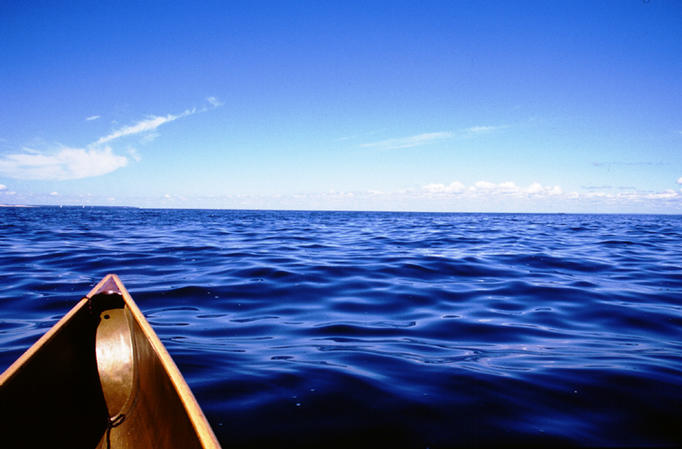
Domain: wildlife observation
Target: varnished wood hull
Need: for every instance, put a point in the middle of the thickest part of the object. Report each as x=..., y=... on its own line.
x=100, y=378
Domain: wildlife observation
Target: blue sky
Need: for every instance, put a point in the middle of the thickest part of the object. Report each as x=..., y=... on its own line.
x=561, y=106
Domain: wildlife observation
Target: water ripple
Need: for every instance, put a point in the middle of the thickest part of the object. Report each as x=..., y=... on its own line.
x=313, y=329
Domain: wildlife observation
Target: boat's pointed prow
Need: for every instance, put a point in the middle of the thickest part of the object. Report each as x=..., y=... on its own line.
x=104, y=379
x=110, y=285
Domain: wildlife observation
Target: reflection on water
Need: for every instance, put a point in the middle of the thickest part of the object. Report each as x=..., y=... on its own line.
x=412, y=330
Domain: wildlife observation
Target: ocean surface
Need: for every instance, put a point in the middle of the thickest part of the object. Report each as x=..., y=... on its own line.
x=357, y=329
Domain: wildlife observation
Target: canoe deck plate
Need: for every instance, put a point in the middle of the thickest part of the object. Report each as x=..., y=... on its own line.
x=116, y=362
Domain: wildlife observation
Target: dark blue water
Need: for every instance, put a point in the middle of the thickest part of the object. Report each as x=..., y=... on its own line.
x=323, y=329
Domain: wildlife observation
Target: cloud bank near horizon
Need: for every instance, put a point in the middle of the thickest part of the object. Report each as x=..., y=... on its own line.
x=479, y=196
x=486, y=188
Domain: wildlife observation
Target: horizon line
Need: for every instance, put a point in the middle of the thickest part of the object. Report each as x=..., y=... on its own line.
x=83, y=206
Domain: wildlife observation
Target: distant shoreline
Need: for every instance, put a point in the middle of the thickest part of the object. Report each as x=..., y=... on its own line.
x=14, y=205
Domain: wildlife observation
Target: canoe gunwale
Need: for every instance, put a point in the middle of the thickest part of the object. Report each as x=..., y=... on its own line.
x=196, y=415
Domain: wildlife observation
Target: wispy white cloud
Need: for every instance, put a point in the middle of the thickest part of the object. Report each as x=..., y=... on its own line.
x=91, y=118
x=481, y=129
x=149, y=125
x=611, y=164
x=54, y=193
x=214, y=101
x=679, y=180
x=67, y=163
x=666, y=194
x=134, y=155
x=150, y=137
x=143, y=126
x=428, y=138
x=3, y=186
x=410, y=141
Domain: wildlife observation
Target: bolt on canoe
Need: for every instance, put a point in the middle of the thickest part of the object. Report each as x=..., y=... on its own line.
x=100, y=378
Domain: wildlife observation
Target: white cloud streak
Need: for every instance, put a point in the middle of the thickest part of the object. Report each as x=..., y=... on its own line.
x=67, y=163
x=91, y=118
x=409, y=142
x=679, y=180
x=482, y=129
x=143, y=126
x=132, y=152
x=214, y=102
x=3, y=186
x=428, y=138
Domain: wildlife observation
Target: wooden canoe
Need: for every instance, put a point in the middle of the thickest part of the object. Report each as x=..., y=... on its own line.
x=100, y=378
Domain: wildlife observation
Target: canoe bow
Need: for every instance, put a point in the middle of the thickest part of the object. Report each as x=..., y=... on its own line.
x=100, y=378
